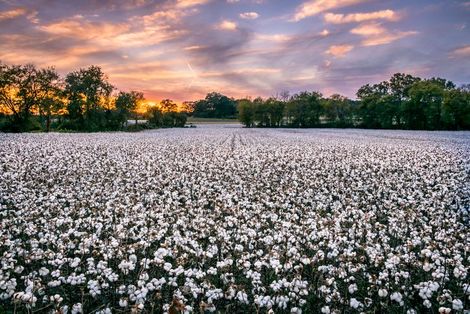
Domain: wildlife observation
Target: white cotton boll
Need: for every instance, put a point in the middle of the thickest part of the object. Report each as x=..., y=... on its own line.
x=460, y=272
x=457, y=305
x=19, y=269
x=56, y=298
x=325, y=309
x=444, y=310
x=43, y=271
x=77, y=308
x=75, y=262
x=383, y=293
x=122, y=302
x=396, y=296
x=354, y=303
x=242, y=297
x=352, y=288
x=427, y=266
x=133, y=258
x=427, y=303
x=167, y=266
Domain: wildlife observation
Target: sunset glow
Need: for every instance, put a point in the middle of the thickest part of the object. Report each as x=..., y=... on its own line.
x=183, y=49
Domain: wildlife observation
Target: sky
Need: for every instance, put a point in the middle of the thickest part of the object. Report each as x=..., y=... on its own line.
x=183, y=49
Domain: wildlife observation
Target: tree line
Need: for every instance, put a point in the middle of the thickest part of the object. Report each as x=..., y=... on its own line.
x=403, y=102
x=34, y=98
x=214, y=105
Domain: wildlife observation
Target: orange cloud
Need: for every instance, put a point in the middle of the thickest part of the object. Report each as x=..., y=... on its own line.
x=11, y=14
x=195, y=47
x=190, y=3
x=314, y=7
x=83, y=29
x=368, y=30
x=387, y=38
x=376, y=34
x=461, y=52
x=145, y=31
x=388, y=15
x=339, y=50
x=227, y=25
x=249, y=15
x=273, y=37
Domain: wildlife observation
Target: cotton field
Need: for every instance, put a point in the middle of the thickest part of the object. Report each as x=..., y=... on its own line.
x=233, y=220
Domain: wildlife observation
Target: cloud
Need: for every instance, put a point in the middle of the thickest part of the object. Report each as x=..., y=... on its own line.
x=388, y=15
x=249, y=15
x=78, y=28
x=146, y=44
x=368, y=30
x=190, y=3
x=314, y=7
x=195, y=47
x=227, y=25
x=273, y=37
x=339, y=50
x=461, y=52
x=376, y=34
x=387, y=38
x=11, y=14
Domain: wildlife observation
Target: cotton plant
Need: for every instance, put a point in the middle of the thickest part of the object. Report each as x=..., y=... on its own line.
x=222, y=219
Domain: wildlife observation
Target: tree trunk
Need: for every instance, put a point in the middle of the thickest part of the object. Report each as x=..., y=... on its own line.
x=48, y=123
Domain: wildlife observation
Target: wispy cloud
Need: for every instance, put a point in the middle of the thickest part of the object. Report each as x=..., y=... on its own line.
x=83, y=29
x=388, y=15
x=369, y=30
x=461, y=52
x=249, y=15
x=273, y=37
x=190, y=3
x=11, y=14
x=339, y=50
x=387, y=38
x=375, y=34
x=314, y=7
x=227, y=25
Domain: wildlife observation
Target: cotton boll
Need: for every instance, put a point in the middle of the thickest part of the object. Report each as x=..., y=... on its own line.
x=354, y=303
x=457, y=305
x=352, y=288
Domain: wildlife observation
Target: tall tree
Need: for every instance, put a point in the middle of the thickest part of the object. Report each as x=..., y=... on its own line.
x=304, y=109
x=276, y=111
x=246, y=112
x=424, y=106
x=50, y=101
x=338, y=111
x=456, y=109
x=26, y=88
x=215, y=105
x=167, y=105
x=87, y=90
x=127, y=103
x=11, y=82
